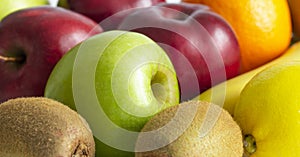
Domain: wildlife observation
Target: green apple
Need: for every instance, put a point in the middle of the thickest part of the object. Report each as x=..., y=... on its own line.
x=117, y=80
x=63, y=3
x=9, y=6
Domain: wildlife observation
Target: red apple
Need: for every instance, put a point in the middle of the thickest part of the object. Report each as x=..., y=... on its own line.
x=31, y=43
x=99, y=10
x=200, y=43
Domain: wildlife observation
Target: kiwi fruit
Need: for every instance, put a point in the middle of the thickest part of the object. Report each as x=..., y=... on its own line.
x=196, y=129
x=42, y=127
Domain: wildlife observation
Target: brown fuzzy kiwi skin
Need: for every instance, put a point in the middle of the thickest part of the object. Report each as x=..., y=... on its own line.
x=224, y=139
x=41, y=127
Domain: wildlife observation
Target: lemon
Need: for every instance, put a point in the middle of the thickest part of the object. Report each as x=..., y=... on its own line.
x=268, y=112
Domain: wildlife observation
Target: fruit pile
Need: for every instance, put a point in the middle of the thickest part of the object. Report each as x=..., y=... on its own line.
x=149, y=78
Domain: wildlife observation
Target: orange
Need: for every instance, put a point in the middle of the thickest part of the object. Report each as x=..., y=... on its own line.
x=263, y=27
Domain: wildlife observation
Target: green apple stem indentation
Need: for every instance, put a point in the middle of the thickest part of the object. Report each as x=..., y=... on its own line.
x=249, y=145
x=159, y=86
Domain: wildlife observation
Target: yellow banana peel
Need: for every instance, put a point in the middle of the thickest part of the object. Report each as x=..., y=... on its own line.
x=227, y=94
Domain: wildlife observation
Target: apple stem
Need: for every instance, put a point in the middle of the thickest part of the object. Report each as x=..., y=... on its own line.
x=249, y=145
x=11, y=59
x=81, y=150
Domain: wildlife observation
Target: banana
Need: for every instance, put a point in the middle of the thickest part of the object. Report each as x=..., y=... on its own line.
x=295, y=12
x=227, y=94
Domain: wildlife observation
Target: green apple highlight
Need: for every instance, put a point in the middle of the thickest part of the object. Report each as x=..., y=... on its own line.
x=117, y=80
x=9, y=6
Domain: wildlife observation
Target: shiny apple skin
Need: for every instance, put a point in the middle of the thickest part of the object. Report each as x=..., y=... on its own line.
x=100, y=10
x=195, y=54
x=39, y=36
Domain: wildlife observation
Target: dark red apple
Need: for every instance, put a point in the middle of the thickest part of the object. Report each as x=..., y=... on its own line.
x=31, y=43
x=200, y=43
x=99, y=10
